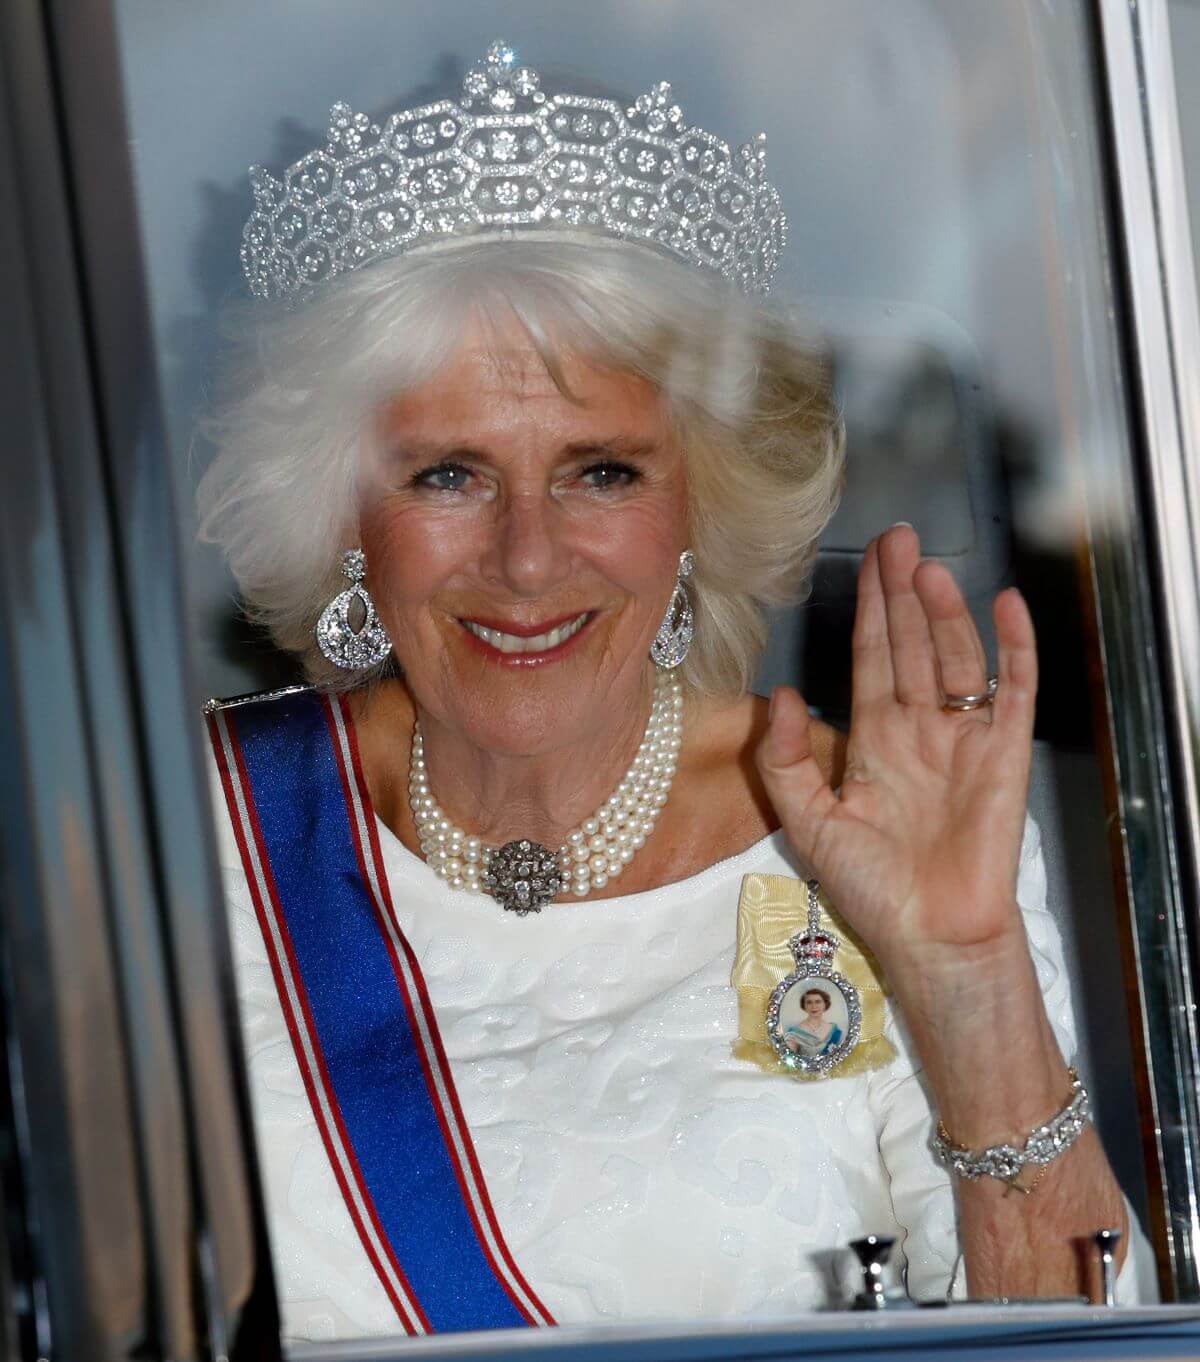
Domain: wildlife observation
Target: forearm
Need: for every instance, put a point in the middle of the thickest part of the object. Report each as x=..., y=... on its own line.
x=995, y=1071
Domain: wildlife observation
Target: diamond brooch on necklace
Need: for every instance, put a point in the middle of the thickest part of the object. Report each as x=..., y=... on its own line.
x=523, y=875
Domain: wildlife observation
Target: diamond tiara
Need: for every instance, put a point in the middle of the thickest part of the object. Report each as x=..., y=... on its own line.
x=508, y=156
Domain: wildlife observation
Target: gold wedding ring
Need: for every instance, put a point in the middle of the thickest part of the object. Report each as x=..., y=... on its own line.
x=960, y=704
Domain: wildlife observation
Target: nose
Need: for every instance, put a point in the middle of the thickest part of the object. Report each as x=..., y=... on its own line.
x=528, y=553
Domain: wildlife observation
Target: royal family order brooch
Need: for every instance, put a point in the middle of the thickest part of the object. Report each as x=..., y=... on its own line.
x=814, y=1014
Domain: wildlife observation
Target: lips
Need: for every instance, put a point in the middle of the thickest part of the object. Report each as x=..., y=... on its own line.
x=518, y=640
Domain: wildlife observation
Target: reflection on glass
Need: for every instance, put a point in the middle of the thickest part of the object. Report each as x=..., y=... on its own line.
x=1185, y=47
x=470, y=1117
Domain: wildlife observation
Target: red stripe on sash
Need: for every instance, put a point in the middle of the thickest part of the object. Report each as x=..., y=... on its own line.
x=312, y=1071
x=442, y=1091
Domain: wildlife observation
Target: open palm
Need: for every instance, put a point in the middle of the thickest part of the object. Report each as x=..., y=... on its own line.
x=919, y=848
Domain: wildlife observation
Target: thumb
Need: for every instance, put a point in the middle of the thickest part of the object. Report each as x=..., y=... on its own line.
x=786, y=741
x=793, y=779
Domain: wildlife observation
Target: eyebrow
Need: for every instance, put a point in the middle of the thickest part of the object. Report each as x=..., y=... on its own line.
x=619, y=447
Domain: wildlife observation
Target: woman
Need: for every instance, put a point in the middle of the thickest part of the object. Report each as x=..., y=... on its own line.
x=565, y=470
x=816, y=1034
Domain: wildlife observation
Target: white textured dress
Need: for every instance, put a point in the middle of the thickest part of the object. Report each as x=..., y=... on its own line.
x=638, y=1171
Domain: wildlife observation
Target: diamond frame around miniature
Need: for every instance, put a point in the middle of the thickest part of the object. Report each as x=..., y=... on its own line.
x=508, y=157
x=814, y=966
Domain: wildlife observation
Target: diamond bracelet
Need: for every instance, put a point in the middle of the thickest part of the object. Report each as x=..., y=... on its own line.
x=1043, y=1144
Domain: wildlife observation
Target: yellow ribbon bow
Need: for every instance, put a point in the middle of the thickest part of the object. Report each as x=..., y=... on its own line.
x=771, y=909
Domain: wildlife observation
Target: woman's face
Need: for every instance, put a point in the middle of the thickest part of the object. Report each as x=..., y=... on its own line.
x=813, y=1004
x=521, y=547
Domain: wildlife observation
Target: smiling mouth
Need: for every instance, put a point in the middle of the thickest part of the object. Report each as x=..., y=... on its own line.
x=505, y=642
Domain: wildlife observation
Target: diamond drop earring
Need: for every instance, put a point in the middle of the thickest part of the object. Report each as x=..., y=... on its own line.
x=678, y=628
x=355, y=649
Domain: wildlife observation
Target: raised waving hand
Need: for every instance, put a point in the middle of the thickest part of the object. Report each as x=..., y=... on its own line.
x=919, y=848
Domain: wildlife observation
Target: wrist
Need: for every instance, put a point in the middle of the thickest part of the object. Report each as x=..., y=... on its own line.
x=1042, y=1144
x=977, y=981
x=979, y=1026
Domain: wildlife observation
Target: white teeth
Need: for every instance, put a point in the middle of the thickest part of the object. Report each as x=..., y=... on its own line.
x=539, y=643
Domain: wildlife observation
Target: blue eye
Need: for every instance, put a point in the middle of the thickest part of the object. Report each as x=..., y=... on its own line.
x=443, y=477
x=610, y=474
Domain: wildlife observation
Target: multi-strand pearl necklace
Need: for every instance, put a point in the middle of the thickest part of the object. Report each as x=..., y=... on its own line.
x=599, y=849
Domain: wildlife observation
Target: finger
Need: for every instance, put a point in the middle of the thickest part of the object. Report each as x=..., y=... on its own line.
x=961, y=660
x=1016, y=691
x=913, y=658
x=873, y=679
x=793, y=779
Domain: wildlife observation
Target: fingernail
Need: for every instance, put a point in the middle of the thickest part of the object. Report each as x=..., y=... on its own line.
x=771, y=706
x=908, y=525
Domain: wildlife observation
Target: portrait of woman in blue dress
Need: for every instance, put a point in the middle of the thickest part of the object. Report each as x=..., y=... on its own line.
x=817, y=1034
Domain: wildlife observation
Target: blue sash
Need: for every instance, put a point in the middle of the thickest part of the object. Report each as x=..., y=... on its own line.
x=359, y=1015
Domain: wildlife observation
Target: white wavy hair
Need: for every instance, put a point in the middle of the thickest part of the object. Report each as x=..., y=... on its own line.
x=749, y=395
